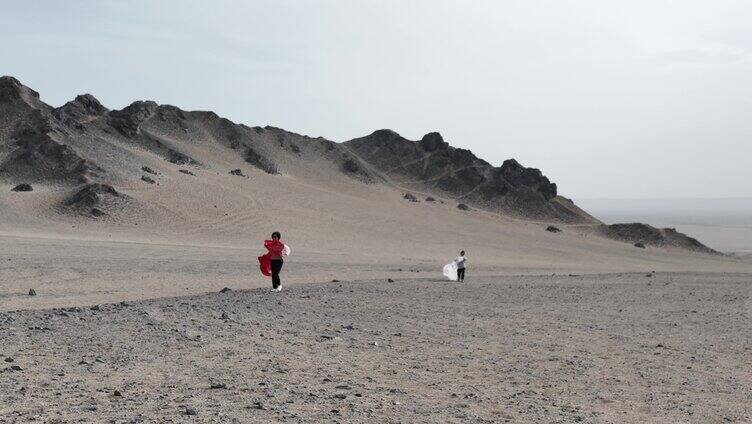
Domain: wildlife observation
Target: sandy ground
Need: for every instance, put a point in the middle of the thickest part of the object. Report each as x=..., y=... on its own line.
x=607, y=348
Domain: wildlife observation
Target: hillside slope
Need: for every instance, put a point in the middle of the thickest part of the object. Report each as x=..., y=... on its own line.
x=158, y=171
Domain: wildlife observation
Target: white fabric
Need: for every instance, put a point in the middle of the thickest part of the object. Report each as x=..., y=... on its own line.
x=450, y=271
x=287, y=250
x=460, y=261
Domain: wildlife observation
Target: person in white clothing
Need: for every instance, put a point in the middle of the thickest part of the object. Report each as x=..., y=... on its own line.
x=460, y=261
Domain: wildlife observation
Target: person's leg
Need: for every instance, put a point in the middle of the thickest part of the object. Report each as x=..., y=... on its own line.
x=461, y=274
x=276, y=268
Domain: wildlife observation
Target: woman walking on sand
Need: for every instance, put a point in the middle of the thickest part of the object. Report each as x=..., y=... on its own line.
x=271, y=262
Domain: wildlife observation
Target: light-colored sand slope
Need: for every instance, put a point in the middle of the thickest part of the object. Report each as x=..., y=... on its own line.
x=596, y=349
x=70, y=266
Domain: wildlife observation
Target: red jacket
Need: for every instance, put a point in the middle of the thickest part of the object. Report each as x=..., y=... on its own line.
x=275, y=248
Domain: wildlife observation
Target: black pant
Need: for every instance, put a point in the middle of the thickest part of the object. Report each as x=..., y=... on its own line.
x=460, y=274
x=276, y=268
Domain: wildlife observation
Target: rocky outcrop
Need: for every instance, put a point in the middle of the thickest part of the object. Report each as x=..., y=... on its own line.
x=128, y=120
x=94, y=200
x=431, y=164
x=82, y=109
x=642, y=235
x=91, y=195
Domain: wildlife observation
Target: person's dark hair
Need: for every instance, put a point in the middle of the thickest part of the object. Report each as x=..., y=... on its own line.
x=276, y=233
x=462, y=253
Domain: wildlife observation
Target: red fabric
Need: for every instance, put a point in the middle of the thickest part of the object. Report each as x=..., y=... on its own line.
x=275, y=248
x=265, y=264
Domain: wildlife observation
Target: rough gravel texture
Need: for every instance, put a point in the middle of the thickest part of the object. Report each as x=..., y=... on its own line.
x=610, y=348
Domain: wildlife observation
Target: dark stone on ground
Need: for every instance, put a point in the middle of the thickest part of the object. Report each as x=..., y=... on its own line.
x=430, y=199
x=640, y=244
x=32, y=292
x=97, y=212
x=553, y=229
x=147, y=179
x=463, y=207
x=237, y=172
x=410, y=197
x=148, y=170
x=225, y=290
x=22, y=187
x=187, y=172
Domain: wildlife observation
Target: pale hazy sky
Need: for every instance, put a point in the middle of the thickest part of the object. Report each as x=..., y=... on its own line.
x=639, y=98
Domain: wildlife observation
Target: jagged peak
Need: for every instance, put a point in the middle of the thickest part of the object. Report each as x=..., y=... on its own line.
x=385, y=133
x=433, y=141
x=139, y=105
x=83, y=105
x=11, y=90
x=89, y=101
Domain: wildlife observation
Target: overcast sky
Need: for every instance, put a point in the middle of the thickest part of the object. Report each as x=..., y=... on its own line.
x=621, y=99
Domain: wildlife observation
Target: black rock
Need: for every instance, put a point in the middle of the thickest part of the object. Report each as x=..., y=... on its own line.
x=430, y=199
x=148, y=170
x=463, y=207
x=97, y=212
x=349, y=165
x=237, y=172
x=215, y=386
x=16, y=368
x=640, y=244
x=389, y=280
x=32, y=292
x=117, y=393
x=410, y=197
x=8, y=359
x=335, y=281
x=91, y=195
x=225, y=290
x=147, y=179
x=190, y=411
x=22, y=187
x=261, y=162
x=187, y=172
x=553, y=229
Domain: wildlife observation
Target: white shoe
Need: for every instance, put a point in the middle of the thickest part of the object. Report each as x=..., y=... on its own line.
x=279, y=289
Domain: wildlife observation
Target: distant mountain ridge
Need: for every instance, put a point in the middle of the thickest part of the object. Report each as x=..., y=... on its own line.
x=91, y=151
x=42, y=143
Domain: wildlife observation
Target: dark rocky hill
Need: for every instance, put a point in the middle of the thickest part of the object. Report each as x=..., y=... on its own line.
x=646, y=235
x=432, y=165
x=90, y=151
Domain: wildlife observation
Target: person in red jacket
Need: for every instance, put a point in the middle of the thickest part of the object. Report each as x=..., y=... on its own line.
x=271, y=263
